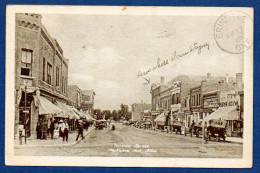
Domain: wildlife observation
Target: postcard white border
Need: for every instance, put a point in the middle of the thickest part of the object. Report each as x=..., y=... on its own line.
x=10, y=159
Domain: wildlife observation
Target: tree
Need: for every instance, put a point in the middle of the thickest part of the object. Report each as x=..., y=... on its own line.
x=124, y=112
x=106, y=114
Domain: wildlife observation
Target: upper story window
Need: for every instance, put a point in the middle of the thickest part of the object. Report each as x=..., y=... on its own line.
x=26, y=64
x=57, y=76
x=43, y=69
x=86, y=98
x=49, y=70
x=173, y=99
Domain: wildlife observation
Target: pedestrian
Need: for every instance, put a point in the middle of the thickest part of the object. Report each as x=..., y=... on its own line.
x=38, y=130
x=56, y=130
x=60, y=125
x=86, y=125
x=65, y=130
x=44, y=128
x=52, y=128
x=80, y=130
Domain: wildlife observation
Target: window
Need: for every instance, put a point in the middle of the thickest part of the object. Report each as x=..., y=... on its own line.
x=87, y=98
x=43, y=69
x=49, y=69
x=173, y=99
x=65, y=88
x=57, y=76
x=177, y=98
x=26, y=65
x=62, y=84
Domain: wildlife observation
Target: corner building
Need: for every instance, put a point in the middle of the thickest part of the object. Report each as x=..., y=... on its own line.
x=41, y=72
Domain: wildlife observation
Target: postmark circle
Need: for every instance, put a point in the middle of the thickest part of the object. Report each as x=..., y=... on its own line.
x=233, y=32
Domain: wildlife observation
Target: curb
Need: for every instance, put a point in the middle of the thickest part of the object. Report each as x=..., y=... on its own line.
x=57, y=145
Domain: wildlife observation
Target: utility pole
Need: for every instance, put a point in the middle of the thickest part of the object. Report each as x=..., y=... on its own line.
x=25, y=115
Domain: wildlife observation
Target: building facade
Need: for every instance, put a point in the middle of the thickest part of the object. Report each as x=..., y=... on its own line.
x=75, y=96
x=40, y=67
x=138, y=110
x=88, y=100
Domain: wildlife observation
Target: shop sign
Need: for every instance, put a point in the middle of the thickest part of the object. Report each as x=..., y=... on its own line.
x=211, y=102
x=27, y=82
x=229, y=98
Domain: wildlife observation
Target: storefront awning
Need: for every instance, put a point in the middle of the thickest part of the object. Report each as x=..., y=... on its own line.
x=224, y=113
x=67, y=110
x=161, y=118
x=90, y=118
x=47, y=108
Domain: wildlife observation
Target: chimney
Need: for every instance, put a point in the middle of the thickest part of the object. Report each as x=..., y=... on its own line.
x=162, y=79
x=227, y=78
x=239, y=78
x=208, y=75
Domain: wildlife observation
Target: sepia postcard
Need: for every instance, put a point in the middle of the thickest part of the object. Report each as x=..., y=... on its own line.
x=129, y=86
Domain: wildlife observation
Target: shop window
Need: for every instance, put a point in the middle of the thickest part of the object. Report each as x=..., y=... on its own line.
x=26, y=64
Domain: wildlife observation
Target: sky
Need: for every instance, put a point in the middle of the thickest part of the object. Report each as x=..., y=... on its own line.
x=106, y=53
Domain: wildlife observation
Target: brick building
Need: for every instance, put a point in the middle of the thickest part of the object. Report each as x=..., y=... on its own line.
x=75, y=96
x=88, y=100
x=41, y=72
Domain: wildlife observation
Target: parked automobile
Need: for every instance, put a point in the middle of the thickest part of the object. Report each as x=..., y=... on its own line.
x=197, y=129
x=177, y=126
x=100, y=124
x=146, y=124
x=217, y=129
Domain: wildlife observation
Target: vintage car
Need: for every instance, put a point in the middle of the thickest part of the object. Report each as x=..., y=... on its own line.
x=177, y=126
x=100, y=124
x=217, y=129
x=146, y=124
x=197, y=129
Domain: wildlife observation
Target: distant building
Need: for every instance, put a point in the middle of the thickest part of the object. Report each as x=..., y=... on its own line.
x=75, y=96
x=173, y=97
x=41, y=72
x=138, y=110
x=88, y=99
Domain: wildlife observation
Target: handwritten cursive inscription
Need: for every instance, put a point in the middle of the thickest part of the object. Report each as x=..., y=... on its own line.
x=195, y=47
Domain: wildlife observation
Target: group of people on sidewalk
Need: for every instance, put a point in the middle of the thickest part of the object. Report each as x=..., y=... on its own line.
x=59, y=128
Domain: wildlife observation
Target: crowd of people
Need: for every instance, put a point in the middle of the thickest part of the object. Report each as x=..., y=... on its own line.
x=60, y=128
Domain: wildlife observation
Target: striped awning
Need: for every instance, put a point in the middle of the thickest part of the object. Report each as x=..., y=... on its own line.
x=48, y=108
x=224, y=113
x=68, y=111
x=161, y=118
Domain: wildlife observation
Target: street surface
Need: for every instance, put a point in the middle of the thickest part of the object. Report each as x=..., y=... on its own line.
x=128, y=141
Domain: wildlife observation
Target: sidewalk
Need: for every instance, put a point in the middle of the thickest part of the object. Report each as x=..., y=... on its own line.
x=234, y=140
x=53, y=142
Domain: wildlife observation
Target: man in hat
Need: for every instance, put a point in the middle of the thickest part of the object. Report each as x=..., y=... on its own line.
x=65, y=130
x=80, y=129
